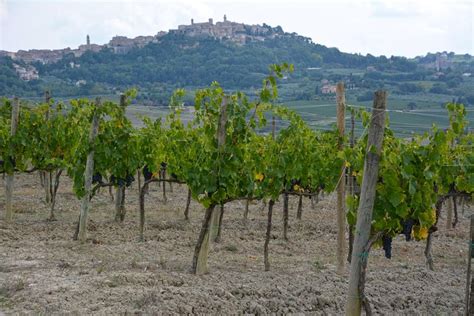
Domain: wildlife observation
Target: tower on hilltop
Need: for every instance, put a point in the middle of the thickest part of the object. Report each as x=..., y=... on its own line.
x=225, y=18
x=88, y=41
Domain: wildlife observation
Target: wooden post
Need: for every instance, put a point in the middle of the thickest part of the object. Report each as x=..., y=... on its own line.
x=163, y=176
x=142, y=191
x=88, y=177
x=449, y=214
x=188, y=203
x=341, y=213
x=54, y=191
x=219, y=224
x=201, y=251
x=267, y=236
x=246, y=212
x=10, y=176
x=469, y=301
x=208, y=229
x=47, y=174
x=139, y=181
x=429, y=258
x=221, y=133
x=299, y=212
x=285, y=216
x=366, y=204
x=119, y=190
x=351, y=187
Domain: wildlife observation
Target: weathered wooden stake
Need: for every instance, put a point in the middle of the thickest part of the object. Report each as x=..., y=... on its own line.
x=53, y=194
x=268, y=236
x=163, y=176
x=219, y=224
x=209, y=226
x=449, y=214
x=469, y=301
x=188, y=203
x=10, y=176
x=201, y=251
x=285, y=216
x=246, y=212
x=429, y=258
x=88, y=177
x=351, y=188
x=139, y=181
x=366, y=204
x=299, y=212
x=47, y=174
x=455, y=209
x=111, y=194
x=119, y=203
x=142, y=191
x=341, y=214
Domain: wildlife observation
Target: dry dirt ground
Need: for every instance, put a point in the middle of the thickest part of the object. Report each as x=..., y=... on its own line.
x=43, y=271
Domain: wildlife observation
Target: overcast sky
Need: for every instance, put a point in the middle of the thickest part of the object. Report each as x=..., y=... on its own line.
x=379, y=27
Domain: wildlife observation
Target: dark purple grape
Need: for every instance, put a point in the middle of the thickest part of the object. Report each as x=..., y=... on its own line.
x=387, y=246
x=97, y=178
x=129, y=179
x=147, y=174
x=407, y=228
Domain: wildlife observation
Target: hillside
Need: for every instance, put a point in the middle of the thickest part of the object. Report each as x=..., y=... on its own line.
x=237, y=56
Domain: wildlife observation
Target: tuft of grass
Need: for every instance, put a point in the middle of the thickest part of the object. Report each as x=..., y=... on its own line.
x=9, y=288
x=231, y=248
x=162, y=262
x=318, y=265
x=134, y=264
x=147, y=299
x=100, y=268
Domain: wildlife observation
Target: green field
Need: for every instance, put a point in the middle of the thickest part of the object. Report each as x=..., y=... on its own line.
x=321, y=114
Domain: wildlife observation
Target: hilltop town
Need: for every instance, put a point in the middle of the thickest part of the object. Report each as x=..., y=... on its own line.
x=238, y=33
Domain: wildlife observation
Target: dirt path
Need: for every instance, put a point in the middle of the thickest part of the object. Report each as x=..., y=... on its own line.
x=43, y=271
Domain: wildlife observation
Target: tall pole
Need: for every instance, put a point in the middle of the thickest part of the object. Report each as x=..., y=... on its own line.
x=10, y=175
x=341, y=214
x=469, y=302
x=47, y=174
x=88, y=177
x=211, y=218
x=364, y=213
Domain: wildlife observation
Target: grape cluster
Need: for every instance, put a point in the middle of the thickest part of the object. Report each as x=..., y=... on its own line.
x=97, y=178
x=147, y=174
x=407, y=228
x=387, y=246
x=122, y=182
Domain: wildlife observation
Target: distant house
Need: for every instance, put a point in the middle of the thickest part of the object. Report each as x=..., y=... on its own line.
x=328, y=89
x=80, y=83
x=26, y=73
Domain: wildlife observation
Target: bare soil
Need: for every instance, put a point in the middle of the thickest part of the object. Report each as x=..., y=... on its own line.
x=42, y=270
